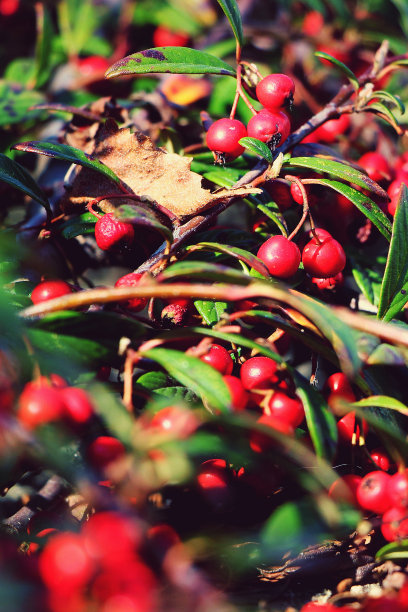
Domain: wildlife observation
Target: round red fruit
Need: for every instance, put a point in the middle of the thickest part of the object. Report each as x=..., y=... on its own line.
x=281, y=256
x=394, y=524
x=109, y=232
x=269, y=126
x=104, y=450
x=258, y=373
x=323, y=257
x=64, y=563
x=214, y=480
x=329, y=283
x=296, y=193
x=223, y=138
x=285, y=408
x=175, y=421
x=239, y=396
x=398, y=489
x=312, y=23
x=219, y=358
x=111, y=538
x=347, y=425
x=376, y=166
x=275, y=91
x=132, y=280
x=338, y=383
x=93, y=65
x=372, y=493
x=163, y=37
x=48, y=290
x=260, y=441
x=329, y=131
x=345, y=489
x=381, y=459
x=77, y=404
x=40, y=405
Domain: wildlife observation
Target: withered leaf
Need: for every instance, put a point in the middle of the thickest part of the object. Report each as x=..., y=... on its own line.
x=146, y=171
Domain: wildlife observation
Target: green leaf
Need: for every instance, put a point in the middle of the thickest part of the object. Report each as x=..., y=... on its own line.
x=78, y=225
x=320, y=421
x=137, y=214
x=339, y=170
x=195, y=374
x=383, y=111
x=387, y=354
x=364, y=204
x=68, y=154
x=205, y=271
x=15, y=104
x=393, y=550
x=394, y=289
x=231, y=10
x=211, y=311
x=176, y=60
x=349, y=74
x=382, y=401
x=386, y=95
x=237, y=253
x=160, y=383
x=258, y=147
x=15, y=175
x=43, y=46
x=119, y=422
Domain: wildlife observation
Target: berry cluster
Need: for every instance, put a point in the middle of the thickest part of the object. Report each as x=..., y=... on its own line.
x=270, y=125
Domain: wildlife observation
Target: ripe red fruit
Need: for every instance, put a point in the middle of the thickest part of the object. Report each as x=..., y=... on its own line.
x=381, y=459
x=94, y=64
x=347, y=426
x=163, y=37
x=394, y=524
x=64, y=563
x=324, y=258
x=329, y=283
x=312, y=23
x=104, y=450
x=275, y=91
x=372, y=493
x=109, y=232
x=48, y=290
x=258, y=373
x=132, y=280
x=394, y=191
x=39, y=405
x=329, y=131
x=219, y=358
x=398, y=489
x=239, y=397
x=376, y=166
x=260, y=441
x=77, y=404
x=161, y=538
x=223, y=138
x=338, y=383
x=296, y=193
x=285, y=408
x=269, y=126
x=111, y=538
x=175, y=421
x=345, y=489
x=9, y=7
x=280, y=255
x=214, y=480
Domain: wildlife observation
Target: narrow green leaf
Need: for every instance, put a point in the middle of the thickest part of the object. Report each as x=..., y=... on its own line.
x=205, y=271
x=117, y=419
x=339, y=170
x=366, y=205
x=68, y=154
x=320, y=421
x=137, y=214
x=245, y=256
x=43, y=45
x=348, y=73
x=378, y=108
x=231, y=10
x=15, y=175
x=387, y=354
x=386, y=95
x=195, y=374
x=394, y=289
x=275, y=216
x=393, y=550
x=178, y=60
x=211, y=311
x=382, y=401
x=77, y=225
x=258, y=147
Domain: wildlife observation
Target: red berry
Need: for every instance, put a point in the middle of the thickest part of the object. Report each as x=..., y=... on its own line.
x=132, y=280
x=269, y=126
x=175, y=421
x=104, y=450
x=285, y=408
x=394, y=524
x=398, y=489
x=329, y=283
x=345, y=489
x=260, y=441
x=329, y=131
x=163, y=37
x=109, y=232
x=338, y=383
x=239, y=397
x=275, y=91
x=161, y=538
x=48, y=290
x=376, y=166
x=111, y=538
x=94, y=64
x=64, y=563
x=394, y=192
x=381, y=459
x=312, y=23
x=219, y=358
x=324, y=257
x=296, y=193
x=258, y=373
x=372, y=493
x=40, y=405
x=223, y=138
x=77, y=404
x=347, y=426
x=214, y=480
x=280, y=194
x=280, y=255
x=9, y=7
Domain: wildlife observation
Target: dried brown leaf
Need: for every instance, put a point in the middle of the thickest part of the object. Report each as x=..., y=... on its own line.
x=146, y=171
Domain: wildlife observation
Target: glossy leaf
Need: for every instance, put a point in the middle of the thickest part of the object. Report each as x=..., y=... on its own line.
x=338, y=170
x=321, y=423
x=382, y=401
x=205, y=271
x=142, y=215
x=388, y=97
x=235, y=252
x=258, y=147
x=15, y=104
x=160, y=383
x=194, y=374
x=275, y=216
x=393, y=550
x=68, y=154
x=15, y=175
x=78, y=225
x=384, y=112
x=364, y=204
x=231, y=10
x=211, y=311
x=176, y=60
x=348, y=73
x=394, y=289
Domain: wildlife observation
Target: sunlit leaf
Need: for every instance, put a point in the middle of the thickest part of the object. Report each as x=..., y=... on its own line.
x=231, y=10
x=258, y=147
x=348, y=73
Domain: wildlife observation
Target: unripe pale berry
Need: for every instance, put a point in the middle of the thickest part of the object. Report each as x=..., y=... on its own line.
x=281, y=256
x=223, y=138
x=275, y=91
